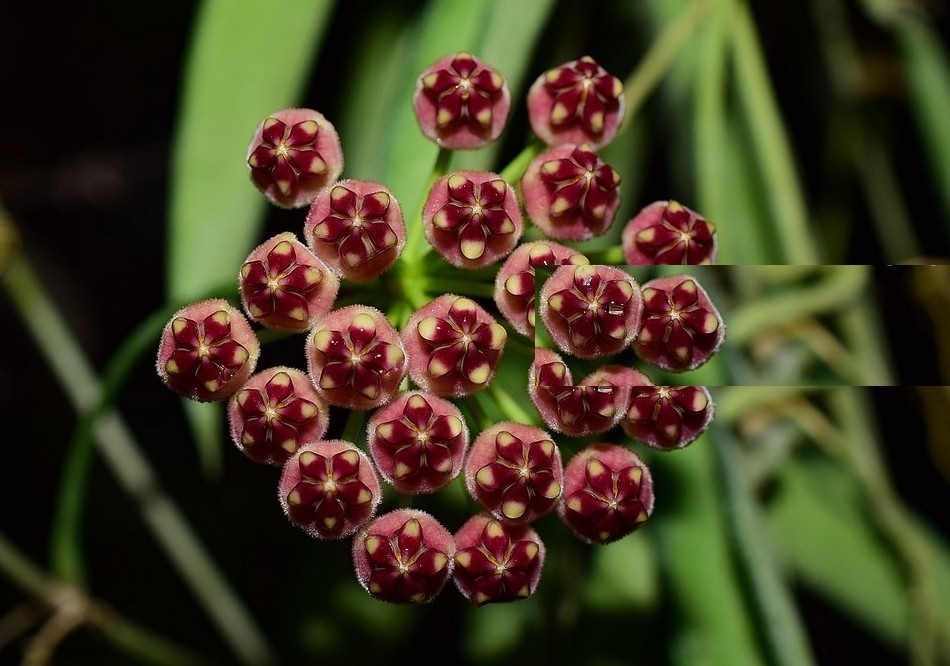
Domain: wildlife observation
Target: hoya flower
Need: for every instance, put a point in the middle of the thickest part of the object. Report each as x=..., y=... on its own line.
x=570, y=193
x=496, y=562
x=207, y=351
x=357, y=228
x=666, y=232
x=404, y=556
x=472, y=218
x=548, y=377
x=274, y=413
x=461, y=103
x=608, y=493
x=577, y=102
x=294, y=154
x=515, y=283
x=283, y=285
x=515, y=471
x=454, y=346
x=418, y=442
x=356, y=358
x=591, y=311
x=681, y=327
x=668, y=417
x=329, y=489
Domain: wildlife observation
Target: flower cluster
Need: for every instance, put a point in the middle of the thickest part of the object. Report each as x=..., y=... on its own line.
x=409, y=375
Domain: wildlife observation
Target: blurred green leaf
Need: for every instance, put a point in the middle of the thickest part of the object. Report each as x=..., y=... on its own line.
x=237, y=73
x=714, y=618
x=928, y=76
x=825, y=537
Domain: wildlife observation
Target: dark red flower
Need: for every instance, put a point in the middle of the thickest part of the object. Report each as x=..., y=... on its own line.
x=608, y=493
x=207, y=351
x=329, y=489
x=461, y=103
x=405, y=556
x=294, y=154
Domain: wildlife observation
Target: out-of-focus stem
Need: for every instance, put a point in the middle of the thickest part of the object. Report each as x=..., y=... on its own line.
x=132, y=470
x=74, y=608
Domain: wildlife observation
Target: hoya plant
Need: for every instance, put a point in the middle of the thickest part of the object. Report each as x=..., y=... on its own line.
x=480, y=332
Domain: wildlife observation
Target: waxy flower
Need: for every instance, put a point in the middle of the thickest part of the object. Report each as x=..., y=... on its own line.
x=404, y=556
x=294, y=154
x=461, y=103
x=356, y=358
x=357, y=228
x=681, y=327
x=329, y=489
x=592, y=407
x=283, y=285
x=276, y=411
x=668, y=417
x=515, y=471
x=207, y=351
x=591, y=311
x=472, y=218
x=496, y=562
x=454, y=346
x=418, y=442
x=608, y=493
x=666, y=232
x=514, y=284
x=570, y=193
x=577, y=102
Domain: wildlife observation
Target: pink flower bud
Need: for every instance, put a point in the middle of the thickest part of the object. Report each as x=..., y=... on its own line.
x=666, y=232
x=329, y=489
x=418, y=442
x=570, y=193
x=283, y=285
x=207, y=351
x=514, y=285
x=472, y=218
x=404, y=556
x=608, y=493
x=275, y=412
x=681, y=327
x=293, y=155
x=355, y=358
x=495, y=562
x=357, y=228
x=578, y=102
x=548, y=377
x=454, y=346
x=515, y=471
x=461, y=103
x=591, y=311
x=668, y=417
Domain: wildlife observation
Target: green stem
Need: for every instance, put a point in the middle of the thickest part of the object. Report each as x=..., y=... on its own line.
x=354, y=430
x=841, y=286
x=658, y=59
x=415, y=230
x=860, y=450
x=777, y=620
x=134, y=640
x=770, y=142
x=515, y=169
x=610, y=257
x=472, y=288
x=66, y=553
x=509, y=406
x=131, y=468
